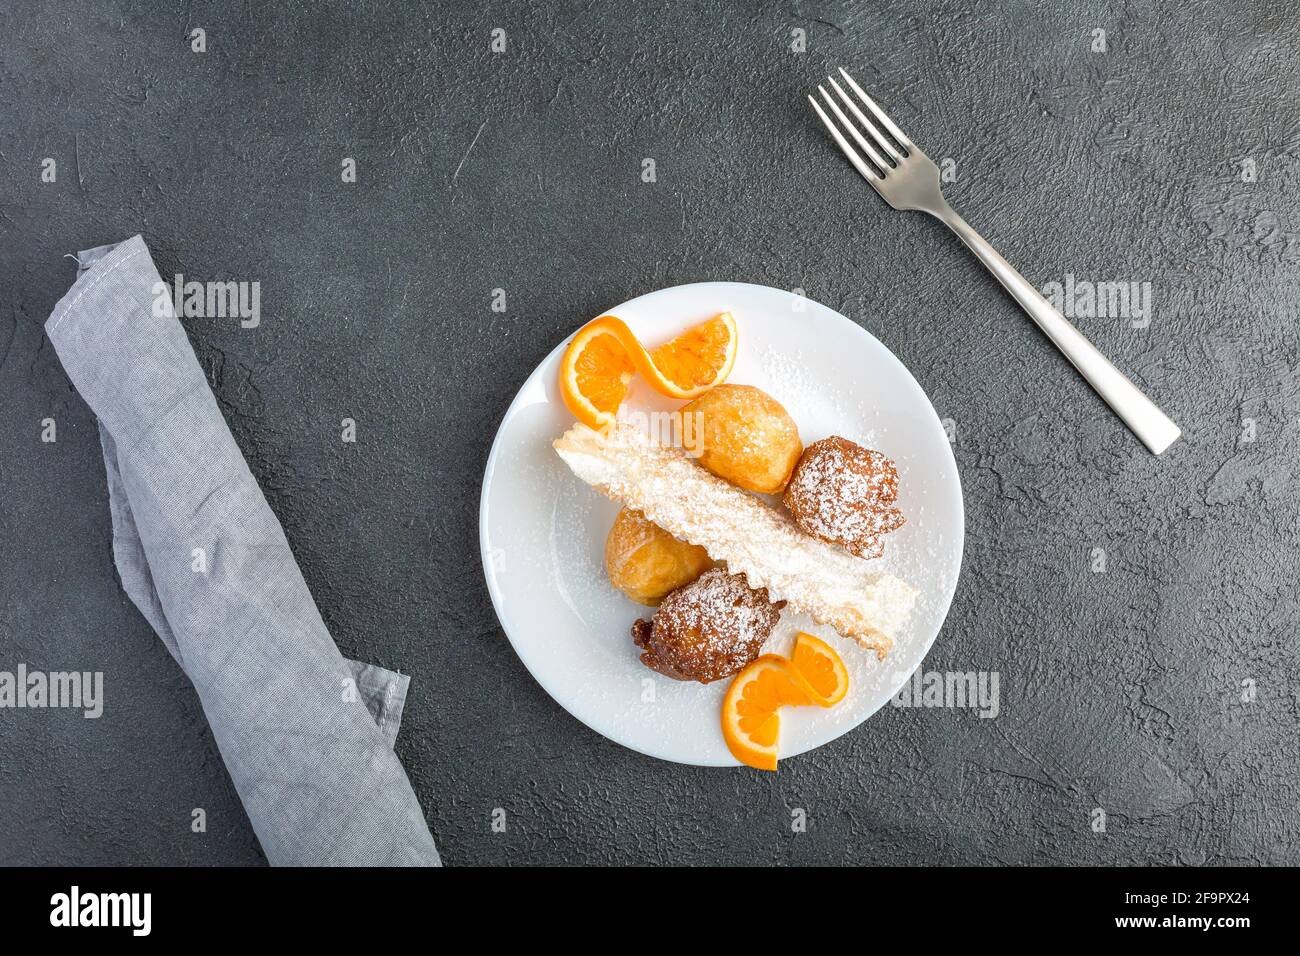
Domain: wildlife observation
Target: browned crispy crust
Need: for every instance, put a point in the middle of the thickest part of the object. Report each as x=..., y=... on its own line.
x=707, y=630
x=843, y=493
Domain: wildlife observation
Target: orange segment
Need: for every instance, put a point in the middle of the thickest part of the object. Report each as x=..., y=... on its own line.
x=598, y=365
x=751, y=718
x=751, y=722
x=696, y=360
x=596, y=371
x=824, y=675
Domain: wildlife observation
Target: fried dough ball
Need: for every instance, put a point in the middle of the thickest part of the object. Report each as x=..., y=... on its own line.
x=645, y=562
x=748, y=438
x=844, y=493
x=707, y=630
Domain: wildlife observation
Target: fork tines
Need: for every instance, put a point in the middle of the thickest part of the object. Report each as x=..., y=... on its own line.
x=875, y=144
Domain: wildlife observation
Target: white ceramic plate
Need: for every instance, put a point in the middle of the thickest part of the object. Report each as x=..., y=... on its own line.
x=542, y=531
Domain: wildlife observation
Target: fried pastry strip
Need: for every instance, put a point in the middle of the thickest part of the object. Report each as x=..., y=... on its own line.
x=751, y=537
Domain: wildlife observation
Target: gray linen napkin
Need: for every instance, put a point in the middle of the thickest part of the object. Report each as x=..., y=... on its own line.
x=306, y=735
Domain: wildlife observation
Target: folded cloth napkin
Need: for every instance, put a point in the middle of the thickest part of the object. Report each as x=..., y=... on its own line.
x=306, y=735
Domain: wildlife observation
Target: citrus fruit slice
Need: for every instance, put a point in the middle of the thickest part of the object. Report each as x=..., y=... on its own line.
x=751, y=719
x=822, y=671
x=695, y=361
x=597, y=369
x=599, y=363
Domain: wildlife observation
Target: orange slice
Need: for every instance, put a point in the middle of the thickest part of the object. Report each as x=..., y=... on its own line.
x=823, y=673
x=695, y=361
x=597, y=369
x=598, y=365
x=751, y=719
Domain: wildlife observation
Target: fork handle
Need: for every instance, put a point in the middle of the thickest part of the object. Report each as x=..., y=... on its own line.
x=1156, y=429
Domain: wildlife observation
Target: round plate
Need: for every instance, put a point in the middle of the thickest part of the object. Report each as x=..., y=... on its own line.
x=542, y=530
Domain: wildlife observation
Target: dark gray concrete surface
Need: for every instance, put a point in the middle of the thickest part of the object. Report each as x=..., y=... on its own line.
x=1121, y=690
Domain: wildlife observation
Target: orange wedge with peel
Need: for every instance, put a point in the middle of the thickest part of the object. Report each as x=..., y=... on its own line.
x=597, y=368
x=825, y=678
x=695, y=361
x=751, y=718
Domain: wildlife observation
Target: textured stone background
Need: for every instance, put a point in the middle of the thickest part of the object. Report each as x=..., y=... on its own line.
x=1120, y=690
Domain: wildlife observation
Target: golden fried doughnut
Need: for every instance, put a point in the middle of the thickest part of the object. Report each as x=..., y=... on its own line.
x=707, y=630
x=844, y=493
x=745, y=436
x=645, y=562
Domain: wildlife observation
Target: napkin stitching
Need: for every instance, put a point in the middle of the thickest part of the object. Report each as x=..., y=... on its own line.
x=104, y=275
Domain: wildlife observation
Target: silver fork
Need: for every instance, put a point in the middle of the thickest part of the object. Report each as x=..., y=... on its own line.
x=909, y=180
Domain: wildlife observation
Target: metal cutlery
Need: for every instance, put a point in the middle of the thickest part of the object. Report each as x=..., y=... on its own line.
x=907, y=179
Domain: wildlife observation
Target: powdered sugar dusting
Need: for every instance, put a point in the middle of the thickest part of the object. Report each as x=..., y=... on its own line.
x=707, y=630
x=844, y=493
x=749, y=536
